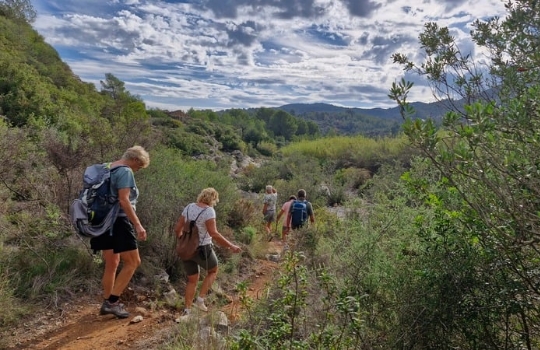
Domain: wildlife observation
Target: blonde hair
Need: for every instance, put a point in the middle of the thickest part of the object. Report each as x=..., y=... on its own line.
x=137, y=153
x=269, y=188
x=208, y=196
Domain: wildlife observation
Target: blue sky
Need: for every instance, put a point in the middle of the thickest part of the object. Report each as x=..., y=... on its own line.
x=219, y=54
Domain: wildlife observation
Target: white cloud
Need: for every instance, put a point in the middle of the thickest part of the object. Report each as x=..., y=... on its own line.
x=188, y=56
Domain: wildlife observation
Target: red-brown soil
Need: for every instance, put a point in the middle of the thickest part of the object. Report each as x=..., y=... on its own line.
x=80, y=327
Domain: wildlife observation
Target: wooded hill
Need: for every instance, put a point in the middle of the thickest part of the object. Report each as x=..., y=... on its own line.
x=438, y=245
x=36, y=85
x=372, y=122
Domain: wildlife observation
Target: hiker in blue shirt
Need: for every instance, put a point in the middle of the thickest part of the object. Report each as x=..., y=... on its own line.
x=127, y=229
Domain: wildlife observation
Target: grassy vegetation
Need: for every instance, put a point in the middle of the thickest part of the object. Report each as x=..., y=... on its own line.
x=436, y=241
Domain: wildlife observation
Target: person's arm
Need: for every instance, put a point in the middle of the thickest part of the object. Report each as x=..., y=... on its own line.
x=281, y=212
x=179, y=225
x=288, y=220
x=311, y=214
x=218, y=237
x=125, y=204
x=265, y=207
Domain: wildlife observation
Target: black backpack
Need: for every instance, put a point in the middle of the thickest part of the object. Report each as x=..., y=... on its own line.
x=94, y=211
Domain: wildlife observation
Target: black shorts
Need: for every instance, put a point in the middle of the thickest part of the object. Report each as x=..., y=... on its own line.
x=123, y=237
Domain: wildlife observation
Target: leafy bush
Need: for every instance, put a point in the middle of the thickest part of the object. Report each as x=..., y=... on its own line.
x=266, y=148
x=352, y=178
x=246, y=235
x=243, y=213
x=229, y=139
x=186, y=142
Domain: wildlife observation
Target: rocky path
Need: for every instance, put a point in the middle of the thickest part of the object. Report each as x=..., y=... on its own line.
x=79, y=326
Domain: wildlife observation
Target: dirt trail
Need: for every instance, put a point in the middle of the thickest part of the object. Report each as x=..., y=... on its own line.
x=80, y=327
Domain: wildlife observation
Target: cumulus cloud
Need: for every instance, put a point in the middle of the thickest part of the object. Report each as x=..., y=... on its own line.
x=251, y=53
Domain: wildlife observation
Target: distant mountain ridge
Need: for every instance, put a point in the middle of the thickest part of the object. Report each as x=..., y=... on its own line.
x=423, y=110
x=369, y=122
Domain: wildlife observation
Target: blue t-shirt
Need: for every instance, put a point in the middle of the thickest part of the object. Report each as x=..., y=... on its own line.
x=122, y=177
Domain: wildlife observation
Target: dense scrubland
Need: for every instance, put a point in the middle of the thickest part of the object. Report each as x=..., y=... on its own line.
x=438, y=246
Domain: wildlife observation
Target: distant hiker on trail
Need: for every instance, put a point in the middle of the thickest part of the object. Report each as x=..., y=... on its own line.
x=269, y=208
x=300, y=210
x=286, y=226
x=205, y=218
x=127, y=229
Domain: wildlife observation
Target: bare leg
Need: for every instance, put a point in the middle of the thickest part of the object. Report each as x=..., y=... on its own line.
x=208, y=281
x=190, y=290
x=112, y=261
x=131, y=261
x=284, y=233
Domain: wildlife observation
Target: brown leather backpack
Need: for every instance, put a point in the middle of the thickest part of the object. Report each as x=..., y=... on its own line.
x=187, y=244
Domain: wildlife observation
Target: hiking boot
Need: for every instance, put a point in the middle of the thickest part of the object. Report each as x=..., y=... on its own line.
x=200, y=305
x=105, y=306
x=116, y=309
x=184, y=317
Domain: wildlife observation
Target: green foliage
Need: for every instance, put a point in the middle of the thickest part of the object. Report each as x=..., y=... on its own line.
x=438, y=251
x=34, y=81
x=230, y=140
x=188, y=143
x=255, y=178
x=11, y=308
x=243, y=214
x=291, y=319
x=246, y=235
x=283, y=124
x=480, y=241
x=267, y=149
x=352, y=177
x=358, y=151
x=350, y=122
x=19, y=10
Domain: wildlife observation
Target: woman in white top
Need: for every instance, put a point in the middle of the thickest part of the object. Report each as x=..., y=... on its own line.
x=206, y=258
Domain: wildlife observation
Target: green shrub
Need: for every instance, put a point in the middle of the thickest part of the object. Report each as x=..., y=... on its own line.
x=243, y=213
x=246, y=235
x=352, y=178
x=186, y=142
x=255, y=178
x=10, y=306
x=266, y=148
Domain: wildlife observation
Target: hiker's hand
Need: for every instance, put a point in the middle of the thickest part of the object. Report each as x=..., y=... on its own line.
x=141, y=232
x=235, y=248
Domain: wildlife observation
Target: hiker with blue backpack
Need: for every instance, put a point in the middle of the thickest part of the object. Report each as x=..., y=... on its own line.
x=285, y=210
x=119, y=243
x=300, y=210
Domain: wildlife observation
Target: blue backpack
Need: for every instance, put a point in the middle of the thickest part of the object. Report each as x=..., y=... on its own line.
x=298, y=213
x=95, y=211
